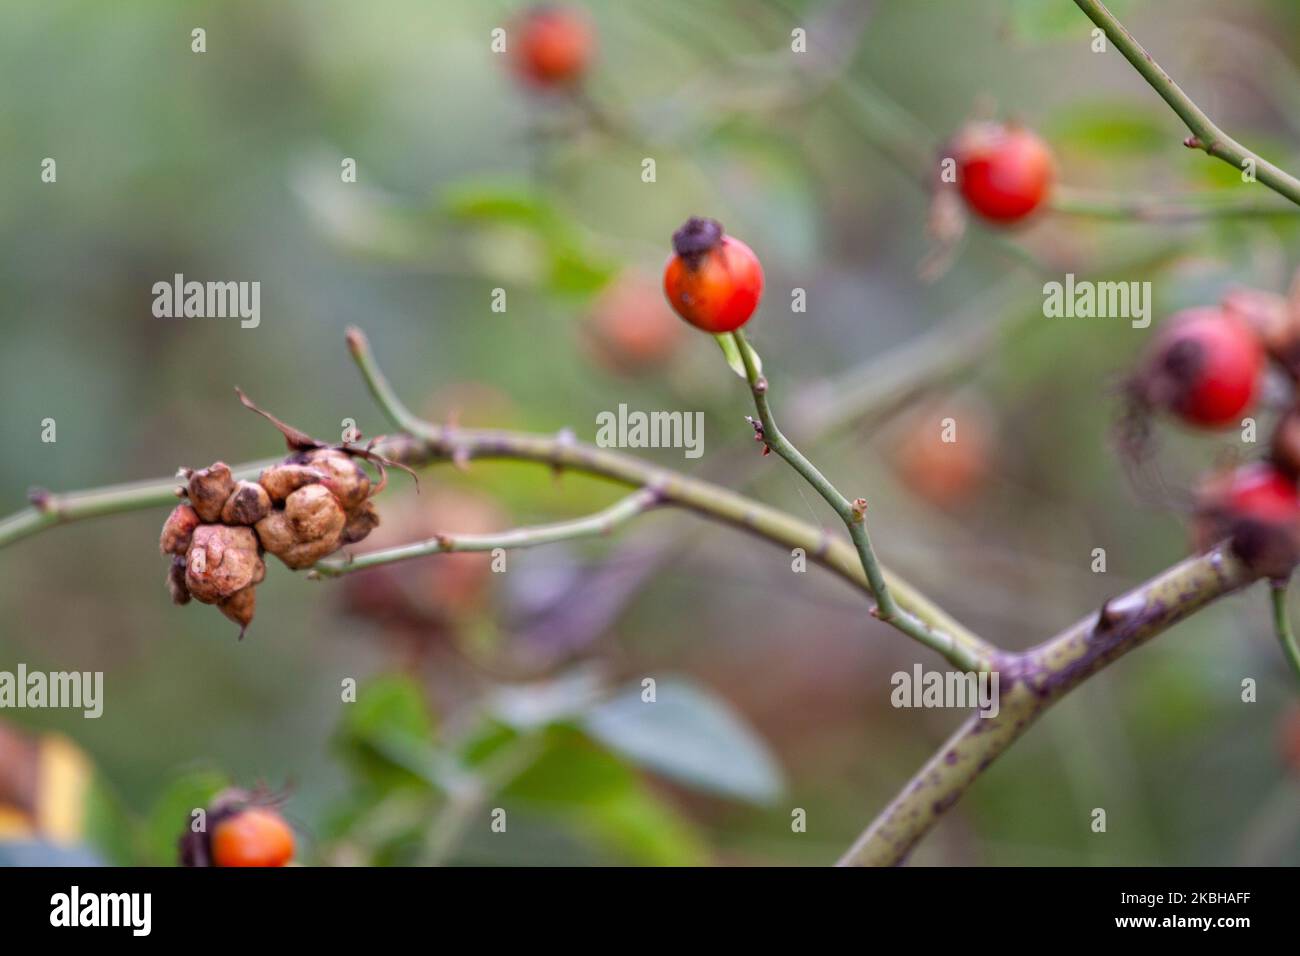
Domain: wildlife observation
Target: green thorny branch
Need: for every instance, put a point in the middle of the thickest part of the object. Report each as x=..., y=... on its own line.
x=1029, y=681
x=1205, y=134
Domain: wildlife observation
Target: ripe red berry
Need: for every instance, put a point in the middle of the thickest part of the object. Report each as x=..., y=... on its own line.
x=629, y=328
x=257, y=836
x=1257, y=507
x=712, y=280
x=551, y=46
x=1004, y=171
x=1205, y=367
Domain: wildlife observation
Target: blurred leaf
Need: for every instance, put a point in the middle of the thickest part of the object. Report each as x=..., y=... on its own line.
x=1110, y=127
x=108, y=826
x=599, y=796
x=531, y=706
x=500, y=202
x=388, y=736
x=571, y=265
x=173, y=812
x=392, y=704
x=1035, y=20
x=689, y=735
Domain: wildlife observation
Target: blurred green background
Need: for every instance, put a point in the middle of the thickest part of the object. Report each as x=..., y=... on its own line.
x=511, y=690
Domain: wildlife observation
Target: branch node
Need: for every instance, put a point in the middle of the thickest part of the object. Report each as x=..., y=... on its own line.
x=42, y=499
x=859, y=508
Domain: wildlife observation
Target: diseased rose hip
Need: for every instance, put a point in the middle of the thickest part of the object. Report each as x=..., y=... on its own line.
x=550, y=46
x=1257, y=508
x=300, y=509
x=1204, y=366
x=712, y=280
x=221, y=561
x=1004, y=171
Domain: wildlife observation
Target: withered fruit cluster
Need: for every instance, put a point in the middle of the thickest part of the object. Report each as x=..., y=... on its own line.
x=300, y=509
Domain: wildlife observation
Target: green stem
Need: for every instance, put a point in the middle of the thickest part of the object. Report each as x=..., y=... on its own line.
x=916, y=615
x=1205, y=134
x=594, y=525
x=1163, y=209
x=852, y=514
x=428, y=443
x=49, y=509
x=1145, y=208
x=1282, y=625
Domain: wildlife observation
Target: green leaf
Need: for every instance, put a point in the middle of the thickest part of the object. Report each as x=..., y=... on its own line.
x=732, y=353
x=387, y=735
x=571, y=266
x=173, y=812
x=595, y=794
x=537, y=705
x=1108, y=126
x=109, y=828
x=498, y=202
x=689, y=735
x=1037, y=20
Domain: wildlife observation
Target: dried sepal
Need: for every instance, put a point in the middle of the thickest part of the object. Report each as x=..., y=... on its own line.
x=297, y=440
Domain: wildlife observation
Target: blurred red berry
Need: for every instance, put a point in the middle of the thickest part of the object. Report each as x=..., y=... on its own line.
x=629, y=328
x=551, y=46
x=257, y=836
x=1257, y=508
x=1004, y=171
x=1205, y=366
x=947, y=474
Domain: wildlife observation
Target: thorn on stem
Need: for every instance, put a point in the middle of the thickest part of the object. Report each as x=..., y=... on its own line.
x=759, y=434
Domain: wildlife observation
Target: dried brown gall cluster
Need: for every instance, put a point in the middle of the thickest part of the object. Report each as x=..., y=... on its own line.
x=301, y=509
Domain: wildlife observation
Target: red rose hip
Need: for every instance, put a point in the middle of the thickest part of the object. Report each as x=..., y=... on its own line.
x=1257, y=508
x=1004, y=171
x=256, y=837
x=551, y=46
x=1205, y=367
x=712, y=280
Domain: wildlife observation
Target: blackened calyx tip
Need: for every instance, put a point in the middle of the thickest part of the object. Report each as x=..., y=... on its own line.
x=696, y=237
